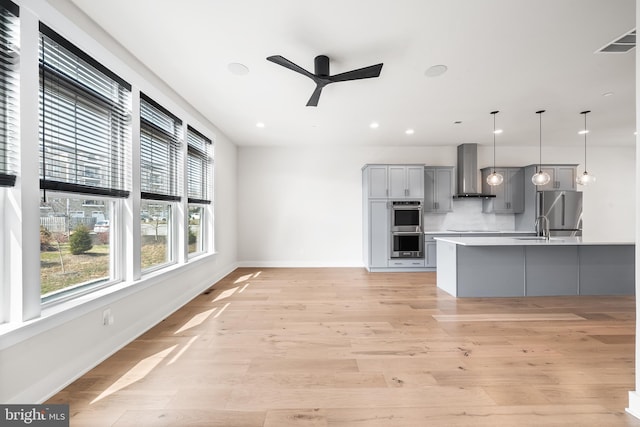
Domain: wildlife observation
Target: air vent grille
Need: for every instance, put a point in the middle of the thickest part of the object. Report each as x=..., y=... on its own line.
x=620, y=45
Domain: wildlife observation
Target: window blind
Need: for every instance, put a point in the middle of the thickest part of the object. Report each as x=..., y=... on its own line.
x=198, y=165
x=159, y=152
x=85, y=136
x=9, y=63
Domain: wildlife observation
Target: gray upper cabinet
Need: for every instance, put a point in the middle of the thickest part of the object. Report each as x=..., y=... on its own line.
x=509, y=195
x=438, y=188
x=394, y=181
x=376, y=181
x=406, y=181
x=563, y=177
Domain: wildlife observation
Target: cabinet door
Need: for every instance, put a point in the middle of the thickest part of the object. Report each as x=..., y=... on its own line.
x=515, y=190
x=430, y=254
x=566, y=178
x=552, y=183
x=501, y=201
x=377, y=181
x=397, y=182
x=379, y=233
x=444, y=189
x=429, y=189
x=415, y=182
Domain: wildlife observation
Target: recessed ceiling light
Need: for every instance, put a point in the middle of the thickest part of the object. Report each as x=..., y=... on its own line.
x=260, y=125
x=409, y=131
x=497, y=131
x=582, y=132
x=374, y=125
x=436, y=70
x=607, y=94
x=238, y=69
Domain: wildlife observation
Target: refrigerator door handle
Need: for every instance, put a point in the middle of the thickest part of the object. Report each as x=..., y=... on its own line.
x=563, y=210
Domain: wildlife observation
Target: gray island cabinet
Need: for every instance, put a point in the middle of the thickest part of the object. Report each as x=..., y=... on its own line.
x=529, y=266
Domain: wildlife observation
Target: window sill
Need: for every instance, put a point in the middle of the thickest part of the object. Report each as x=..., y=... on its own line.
x=58, y=314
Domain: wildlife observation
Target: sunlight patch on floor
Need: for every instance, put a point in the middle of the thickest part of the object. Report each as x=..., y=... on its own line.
x=226, y=294
x=196, y=320
x=138, y=372
x=223, y=309
x=182, y=350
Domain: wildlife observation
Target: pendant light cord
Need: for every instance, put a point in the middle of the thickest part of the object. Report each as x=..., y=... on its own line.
x=494, y=140
x=585, y=139
x=539, y=112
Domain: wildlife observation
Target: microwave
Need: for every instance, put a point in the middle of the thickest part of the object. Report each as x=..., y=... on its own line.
x=406, y=215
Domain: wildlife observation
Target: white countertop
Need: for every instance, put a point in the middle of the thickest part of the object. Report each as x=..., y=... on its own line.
x=524, y=241
x=474, y=232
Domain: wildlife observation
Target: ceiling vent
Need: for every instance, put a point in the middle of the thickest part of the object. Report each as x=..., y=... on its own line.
x=621, y=44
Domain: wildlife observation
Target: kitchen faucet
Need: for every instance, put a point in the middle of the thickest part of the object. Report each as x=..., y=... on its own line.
x=545, y=229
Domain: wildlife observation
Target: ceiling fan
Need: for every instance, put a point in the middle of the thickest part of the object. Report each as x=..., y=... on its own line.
x=321, y=76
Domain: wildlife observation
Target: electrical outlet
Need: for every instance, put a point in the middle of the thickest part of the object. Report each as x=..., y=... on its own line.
x=107, y=317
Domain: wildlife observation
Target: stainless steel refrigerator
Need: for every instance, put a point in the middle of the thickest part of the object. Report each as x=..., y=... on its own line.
x=563, y=209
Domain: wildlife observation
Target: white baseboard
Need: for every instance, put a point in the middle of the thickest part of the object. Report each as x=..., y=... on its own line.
x=634, y=404
x=297, y=264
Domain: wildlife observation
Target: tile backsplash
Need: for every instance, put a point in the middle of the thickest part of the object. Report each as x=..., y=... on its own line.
x=467, y=215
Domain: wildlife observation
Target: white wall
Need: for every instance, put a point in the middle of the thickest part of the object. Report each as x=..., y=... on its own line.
x=39, y=357
x=302, y=206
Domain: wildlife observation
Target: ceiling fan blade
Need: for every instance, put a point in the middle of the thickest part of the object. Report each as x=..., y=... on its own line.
x=315, y=97
x=281, y=60
x=360, y=73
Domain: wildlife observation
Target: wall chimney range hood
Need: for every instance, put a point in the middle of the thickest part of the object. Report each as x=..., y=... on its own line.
x=467, y=182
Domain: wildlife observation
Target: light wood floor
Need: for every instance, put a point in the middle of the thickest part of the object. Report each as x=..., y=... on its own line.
x=343, y=347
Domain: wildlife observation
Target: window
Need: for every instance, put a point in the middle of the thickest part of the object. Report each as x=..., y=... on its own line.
x=198, y=169
x=75, y=247
x=9, y=63
x=160, y=183
x=84, y=166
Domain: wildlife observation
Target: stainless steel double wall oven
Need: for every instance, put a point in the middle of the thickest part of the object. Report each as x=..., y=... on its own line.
x=407, y=238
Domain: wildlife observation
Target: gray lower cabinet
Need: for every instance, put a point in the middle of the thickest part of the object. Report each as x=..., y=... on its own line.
x=430, y=257
x=395, y=262
x=551, y=270
x=536, y=269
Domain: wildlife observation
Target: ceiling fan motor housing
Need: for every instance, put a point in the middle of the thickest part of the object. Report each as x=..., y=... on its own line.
x=321, y=63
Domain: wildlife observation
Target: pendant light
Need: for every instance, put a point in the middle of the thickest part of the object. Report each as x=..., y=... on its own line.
x=494, y=178
x=585, y=178
x=540, y=177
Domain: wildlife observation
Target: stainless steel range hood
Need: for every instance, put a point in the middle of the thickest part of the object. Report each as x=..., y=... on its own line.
x=467, y=182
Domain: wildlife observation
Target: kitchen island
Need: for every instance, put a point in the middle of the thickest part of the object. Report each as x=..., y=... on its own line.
x=533, y=266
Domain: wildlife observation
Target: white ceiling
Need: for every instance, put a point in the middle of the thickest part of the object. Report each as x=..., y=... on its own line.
x=516, y=56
